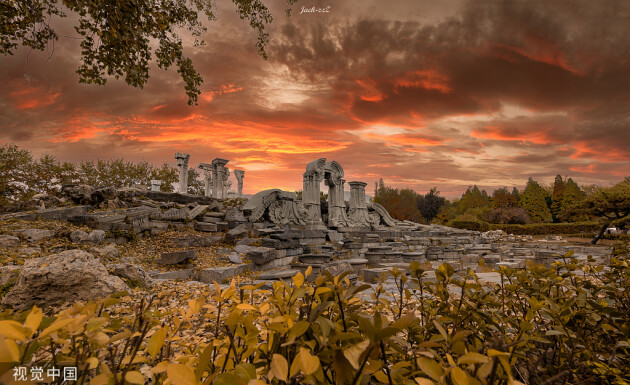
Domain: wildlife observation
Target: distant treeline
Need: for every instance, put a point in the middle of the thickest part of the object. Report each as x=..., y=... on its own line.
x=22, y=175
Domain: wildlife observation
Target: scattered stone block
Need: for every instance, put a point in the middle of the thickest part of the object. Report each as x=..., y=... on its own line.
x=9, y=241
x=221, y=274
x=109, y=251
x=8, y=273
x=334, y=236
x=206, y=227
x=135, y=275
x=315, y=259
x=176, y=274
x=277, y=274
x=197, y=241
x=260, y=255
x=36, y=235
x=235, y=257
x=236, y=233
x=176, y=257
x=196, y=211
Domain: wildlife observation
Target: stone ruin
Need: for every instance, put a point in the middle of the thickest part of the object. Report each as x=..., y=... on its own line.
x=275, y=234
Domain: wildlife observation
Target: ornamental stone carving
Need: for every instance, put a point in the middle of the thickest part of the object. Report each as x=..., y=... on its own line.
x=239, y=175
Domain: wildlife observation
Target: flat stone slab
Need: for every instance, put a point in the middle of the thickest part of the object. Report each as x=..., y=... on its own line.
x=177, y=257
x=277, y=274
x=220, y=274
x=53, y=213
x=196, y=211
x=314, y=258
x=177, y=274
x=205, y=227
x=197, y=241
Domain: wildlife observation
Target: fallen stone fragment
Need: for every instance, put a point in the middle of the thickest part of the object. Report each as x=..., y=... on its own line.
x=236, y=233
x=9, y=241
x=277, y=274
x=36, y=235
x=176, y=257
x=260, y=255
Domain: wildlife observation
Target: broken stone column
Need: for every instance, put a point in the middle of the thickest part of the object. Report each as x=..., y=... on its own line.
x=333, y=174
x=207, y=177
x=155, y=185
x=239, y=175
x=310, y=194
x=358, y=215
x=182, y=163
x=226, y=183
x=218, y=177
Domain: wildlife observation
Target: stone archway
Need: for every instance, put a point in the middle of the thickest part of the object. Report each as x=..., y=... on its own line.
x=332, y=175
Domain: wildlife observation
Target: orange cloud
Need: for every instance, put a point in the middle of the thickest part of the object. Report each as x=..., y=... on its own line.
x=509, y=134
x=32, y=97
x=427, y=78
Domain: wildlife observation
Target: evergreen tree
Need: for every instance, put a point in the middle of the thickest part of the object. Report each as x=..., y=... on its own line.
x=474, y=198
x=534, y=202
x=430, y=204
x=573, y=195
x=517, y=195
x=557, y=197
x=502, y=198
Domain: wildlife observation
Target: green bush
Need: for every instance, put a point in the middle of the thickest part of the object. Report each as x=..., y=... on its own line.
x=565, y=324
x=549, y=228
x=470, y=225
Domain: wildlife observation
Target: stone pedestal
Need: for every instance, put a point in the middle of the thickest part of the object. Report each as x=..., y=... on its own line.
x=358, y=213
x=182, y=163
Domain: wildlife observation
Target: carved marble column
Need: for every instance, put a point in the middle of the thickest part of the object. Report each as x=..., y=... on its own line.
x=336, y=204
x=239, y=175
x=218, y=171
x=358, y=215
x=155, y=185
x=207, y=177
x=226, y=183
x=182, y=163
x=312, y=179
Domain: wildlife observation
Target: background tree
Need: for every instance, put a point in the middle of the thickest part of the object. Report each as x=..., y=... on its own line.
x=534, y=202
x=505, y=208
x=117, y=35
x=401, y=204
x=557, y=197
x=15, y=165
x=611, y=205
x=430, y=204
x=195, y=185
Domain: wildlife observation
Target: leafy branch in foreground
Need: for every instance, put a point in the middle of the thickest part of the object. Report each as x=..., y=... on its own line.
x=116, y=36
x=567, y=323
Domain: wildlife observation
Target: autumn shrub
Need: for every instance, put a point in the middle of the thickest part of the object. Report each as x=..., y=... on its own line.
x=548, y=228
x=568, y=323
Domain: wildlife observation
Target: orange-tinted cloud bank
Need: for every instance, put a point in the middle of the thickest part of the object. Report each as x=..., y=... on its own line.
x=419, y=93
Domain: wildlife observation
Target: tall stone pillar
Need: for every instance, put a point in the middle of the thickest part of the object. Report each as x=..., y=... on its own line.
x=358, y=213
x=182, y=163
x=226, y=184
x=312, y=179
x=239, y=175
x=218, y=180
x=336, y=204
x=207, y=177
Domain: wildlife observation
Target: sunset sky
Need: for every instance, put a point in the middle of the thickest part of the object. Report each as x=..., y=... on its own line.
x=421, y=93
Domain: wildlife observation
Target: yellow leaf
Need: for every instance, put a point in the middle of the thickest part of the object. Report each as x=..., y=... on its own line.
x=459, y=376
x=180, y=374
x=308, y=362
x=472, y=358
x=493, y=352
x=245, y=306
x=9, y=351
x=12, y=330
x=353, y=353
x=99, y=338
x=156, y=342
x=159, y=368
x=93, y=362
x=430, y=367
x=58, y=324
x=101, y=379
x=298, y=280
x=33, y=319
x=134, y=377
x=264, y=308
x=308, y=271
x=381, y=377
x=423, y=381
x=279, y=368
